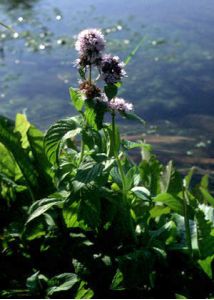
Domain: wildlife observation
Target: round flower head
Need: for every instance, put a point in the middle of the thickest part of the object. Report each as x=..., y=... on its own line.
x=112, y=70
x=120, y=104
x=89, y=44
x=90, y=90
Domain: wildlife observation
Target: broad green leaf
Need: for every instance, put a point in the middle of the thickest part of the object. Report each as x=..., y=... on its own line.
x=138, y=144
x=117, y=282
x=8, y=165
x=12, y=142
x=114, y=142
x=88, y=173
x=188, y=177
x=171, y=201
x=76, y=98
x=151, y=169
x=83, y=292
x=207, y=197
x=205, y=181
x=141, y=192
x=130, y=176
x=41, y=206
x=116, y=177
x=22, y=125
x=70, y=215
x=61, y=283
x=179, y=296
x=205, y=235
x=167, y=233
x=208, y=212
x=111, y=91
x=90, y=115
x=36, y=282
x=90, y=209
x=54, y=136
x=35, y=230
x=93, y=140
x=170, y=181
x=206, y=265
x=133, y=117
x=158, y=211
x=36, y=140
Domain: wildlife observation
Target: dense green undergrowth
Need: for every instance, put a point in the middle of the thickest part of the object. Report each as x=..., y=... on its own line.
x=80, y=219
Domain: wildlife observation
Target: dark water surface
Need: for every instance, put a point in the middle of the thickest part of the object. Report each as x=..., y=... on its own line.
x=171, y=78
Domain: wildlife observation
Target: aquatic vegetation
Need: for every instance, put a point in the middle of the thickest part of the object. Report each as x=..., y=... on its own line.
x=81, y=219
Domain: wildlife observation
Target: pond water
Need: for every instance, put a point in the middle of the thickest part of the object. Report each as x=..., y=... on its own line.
x=171, y=77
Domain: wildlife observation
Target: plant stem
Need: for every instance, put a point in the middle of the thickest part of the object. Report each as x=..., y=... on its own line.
x=186, y=222
x=82, y=151
x=82, y=142
x=128, y=223
x=120, y=167
x=90, y=74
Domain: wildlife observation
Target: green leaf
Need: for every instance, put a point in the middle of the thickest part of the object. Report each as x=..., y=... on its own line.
x=207, y=197
x=188, y=178
x=117, y=281
x=35, y=230
x=41, y=206
x=158, y=211
x=205, y=235
x=111, y=91
x=171, y=201
x=12, y=142
x=36, y=141
x=70, y=214
x=88, y=173
x=83, y=292
x=151, y=169
x=179, y=296
x=35, y=283
x=22, y=125
x=110, y=142
x=90, y=209
x=8, y=165
x=138, y=144
x=205, y=181
x=133, y=117
x=141, y=192
x=93, y=140
x=206, y=265
x=90, y=115
x=61, y=283
x=76, y=98
x=167, y=233
x=134, y=51
x=54, y=137
x=170, y=181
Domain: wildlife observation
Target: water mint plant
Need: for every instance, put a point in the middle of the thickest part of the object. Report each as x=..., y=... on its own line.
x=80, y=218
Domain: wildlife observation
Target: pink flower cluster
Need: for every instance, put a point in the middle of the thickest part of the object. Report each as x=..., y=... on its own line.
x=112, y=70
x=90, y=43
x=120, y=104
